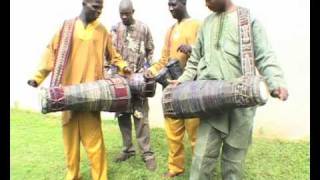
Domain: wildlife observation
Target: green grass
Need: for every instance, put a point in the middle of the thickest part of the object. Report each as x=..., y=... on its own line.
x=36, y=152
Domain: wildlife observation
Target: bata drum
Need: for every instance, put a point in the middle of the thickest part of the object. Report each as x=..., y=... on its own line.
x=162, y=77
x=174, y=68
x=140, y=86
x=202, y=97
x=111, y=94
x=172, y=71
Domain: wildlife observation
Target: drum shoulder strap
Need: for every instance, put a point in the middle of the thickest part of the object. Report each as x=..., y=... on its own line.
x=246, y=42
x=64, y=48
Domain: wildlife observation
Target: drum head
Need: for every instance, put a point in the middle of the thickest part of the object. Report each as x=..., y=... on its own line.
x=263, y=92
x=173, y=62
x=43, y=98
x=163, y=77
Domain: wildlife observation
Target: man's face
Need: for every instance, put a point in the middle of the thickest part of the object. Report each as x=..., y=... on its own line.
x=176, y=8
x=215, y=5
x=92, y=9
x=126, y=15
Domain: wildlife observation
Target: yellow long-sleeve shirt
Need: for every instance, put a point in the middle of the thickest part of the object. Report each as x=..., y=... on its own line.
x=184, y=32
x=90, y=46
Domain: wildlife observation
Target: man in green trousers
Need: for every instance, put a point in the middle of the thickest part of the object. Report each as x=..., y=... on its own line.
x=216, y=56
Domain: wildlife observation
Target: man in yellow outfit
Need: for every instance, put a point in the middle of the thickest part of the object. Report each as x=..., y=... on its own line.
x=90, y=45
x=178, y=41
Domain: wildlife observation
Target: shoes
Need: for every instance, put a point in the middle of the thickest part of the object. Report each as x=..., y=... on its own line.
x=151, y=163
x=123, y=157
x=169, y=175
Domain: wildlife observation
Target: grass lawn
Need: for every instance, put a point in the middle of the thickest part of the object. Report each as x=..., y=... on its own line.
x=36, y=153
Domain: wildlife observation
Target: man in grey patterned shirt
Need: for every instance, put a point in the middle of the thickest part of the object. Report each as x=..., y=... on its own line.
x=133, y=41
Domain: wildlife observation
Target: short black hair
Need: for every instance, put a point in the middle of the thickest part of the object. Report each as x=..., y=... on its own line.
x=86, y=1
x=183, y=1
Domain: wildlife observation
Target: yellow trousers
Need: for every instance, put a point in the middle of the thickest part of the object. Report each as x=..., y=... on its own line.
x=175, y=130
x=85, y=127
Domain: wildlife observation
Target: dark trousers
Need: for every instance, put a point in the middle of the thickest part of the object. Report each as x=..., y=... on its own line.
x=139, y=113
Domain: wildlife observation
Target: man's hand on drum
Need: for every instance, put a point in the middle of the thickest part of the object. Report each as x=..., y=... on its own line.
x=174, y=83
x=281, y=93
x=148, y=74
x=127, y=71
x=32, y=83
x=186, y=49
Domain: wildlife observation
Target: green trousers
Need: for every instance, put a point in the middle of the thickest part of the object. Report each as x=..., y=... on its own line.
x=210, y=142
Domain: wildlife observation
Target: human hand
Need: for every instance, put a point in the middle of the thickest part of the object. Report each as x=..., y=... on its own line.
x=148, y=74
x=127, y=71
x=186, y=49
x=32, y=83
x=281, y=93
x=174, y=83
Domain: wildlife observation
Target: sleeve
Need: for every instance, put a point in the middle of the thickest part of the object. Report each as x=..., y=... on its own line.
x=47, y=60
x=156, y=67
x=265, y=58
x=149, y=46
x=190, y=71
x=112, y=54
x=113, y=33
